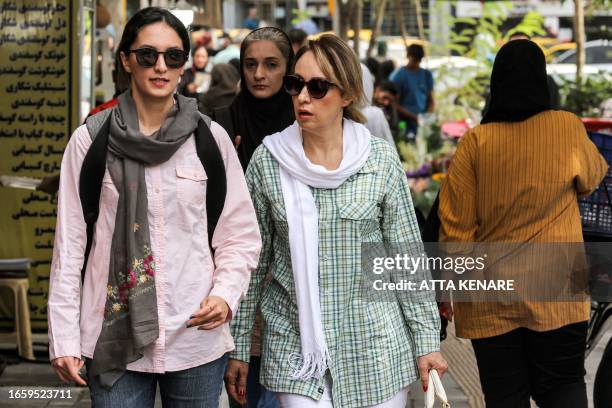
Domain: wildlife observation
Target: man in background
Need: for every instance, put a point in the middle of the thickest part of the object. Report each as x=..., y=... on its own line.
x=415, y=85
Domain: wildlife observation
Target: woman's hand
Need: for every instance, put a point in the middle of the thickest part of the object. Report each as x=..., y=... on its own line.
x=213, y=312
x=236, y=379
x=428, y=362
x=67, y=369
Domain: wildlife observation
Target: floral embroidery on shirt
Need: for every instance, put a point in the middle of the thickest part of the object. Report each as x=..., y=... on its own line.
x=141, y=272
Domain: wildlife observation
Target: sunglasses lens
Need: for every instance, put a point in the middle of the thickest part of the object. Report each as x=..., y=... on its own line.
x=317, y=88
x=175, y=58
x=293, y=85
x=146, y=57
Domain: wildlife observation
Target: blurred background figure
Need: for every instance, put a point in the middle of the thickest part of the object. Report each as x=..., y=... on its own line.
x=298, y=38
x=252, y=20
x=230, y=49
x=415, y=85
x=222, y=90
x=196, y=80
x=386, y=97
x=376, y=122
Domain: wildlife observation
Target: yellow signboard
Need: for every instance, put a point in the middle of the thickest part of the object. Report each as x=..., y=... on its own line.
x=35, y=122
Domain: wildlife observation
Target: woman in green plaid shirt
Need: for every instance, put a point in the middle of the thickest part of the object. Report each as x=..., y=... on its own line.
x=321, y=188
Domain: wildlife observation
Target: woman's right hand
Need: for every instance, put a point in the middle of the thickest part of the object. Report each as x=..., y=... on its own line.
x=67, y=369
x=235, y=380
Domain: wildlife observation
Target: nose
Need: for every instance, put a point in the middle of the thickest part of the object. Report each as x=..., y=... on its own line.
x=259, y=72
x=160, y=64
x=304, y=96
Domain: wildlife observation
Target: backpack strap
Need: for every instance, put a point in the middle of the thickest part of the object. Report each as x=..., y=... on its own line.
x=92, y=173
x=214, y=166
x=94, y=167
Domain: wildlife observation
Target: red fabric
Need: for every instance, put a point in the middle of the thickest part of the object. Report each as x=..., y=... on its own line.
x=104, y=106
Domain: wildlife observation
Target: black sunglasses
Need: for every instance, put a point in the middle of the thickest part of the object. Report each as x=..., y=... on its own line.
x=317, y=87
x=147, y=57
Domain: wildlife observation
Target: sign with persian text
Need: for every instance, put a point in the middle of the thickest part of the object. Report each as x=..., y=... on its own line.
x=35, y=112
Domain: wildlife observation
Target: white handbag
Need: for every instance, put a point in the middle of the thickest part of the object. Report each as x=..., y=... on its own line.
x=434, y=390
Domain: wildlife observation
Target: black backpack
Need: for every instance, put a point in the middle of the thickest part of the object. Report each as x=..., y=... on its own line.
x=94, y=167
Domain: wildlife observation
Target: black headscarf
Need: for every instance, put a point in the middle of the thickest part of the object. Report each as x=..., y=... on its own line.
x=254, y=118
x=519, y=87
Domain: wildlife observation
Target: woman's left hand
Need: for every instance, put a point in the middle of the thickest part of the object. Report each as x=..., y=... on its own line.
x=213, y=313
x=428, y=362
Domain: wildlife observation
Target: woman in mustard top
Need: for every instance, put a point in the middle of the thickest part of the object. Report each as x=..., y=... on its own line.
x=517, y=178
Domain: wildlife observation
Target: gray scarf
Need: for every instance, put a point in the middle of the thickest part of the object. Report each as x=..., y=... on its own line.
x=130, y=316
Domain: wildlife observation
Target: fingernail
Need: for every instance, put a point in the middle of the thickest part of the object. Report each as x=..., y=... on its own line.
x=189, y=325
x=191, y=317
x=424, y=388
x=241, y=392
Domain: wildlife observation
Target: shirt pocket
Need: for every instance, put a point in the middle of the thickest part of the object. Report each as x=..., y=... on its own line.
x=363, y=216
x=191, y=184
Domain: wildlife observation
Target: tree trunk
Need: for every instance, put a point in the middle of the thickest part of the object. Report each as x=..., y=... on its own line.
x=419, y=16
x=356, y=23
x=344, y=11
x=579, y=38
x=400, y=21
x=378, y=20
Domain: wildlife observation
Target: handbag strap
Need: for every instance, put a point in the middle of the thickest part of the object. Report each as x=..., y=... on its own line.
x=436, y=389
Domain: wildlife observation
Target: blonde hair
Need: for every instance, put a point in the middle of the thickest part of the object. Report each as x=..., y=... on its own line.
x=340, y=65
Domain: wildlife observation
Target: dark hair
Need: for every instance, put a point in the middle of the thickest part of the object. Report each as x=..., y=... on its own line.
x=388, y=86
x=297, y=35
x=374, y=66
x=416, y=51
x=143, y=18
x=386, y=68
x=196, y=48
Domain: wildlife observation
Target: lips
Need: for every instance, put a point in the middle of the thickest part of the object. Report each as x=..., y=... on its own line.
x=260, y=87
x=304, y=114
x=159, y=82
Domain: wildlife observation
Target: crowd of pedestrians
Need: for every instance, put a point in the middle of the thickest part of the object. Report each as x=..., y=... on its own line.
x=234, y=256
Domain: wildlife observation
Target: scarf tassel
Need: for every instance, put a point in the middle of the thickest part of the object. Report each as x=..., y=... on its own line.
x=310, y=365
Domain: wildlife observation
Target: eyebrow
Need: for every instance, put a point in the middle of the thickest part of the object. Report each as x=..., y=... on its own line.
x=265, y=59
x=155, y=48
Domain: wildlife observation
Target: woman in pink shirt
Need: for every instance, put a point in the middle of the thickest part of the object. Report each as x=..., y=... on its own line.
x=156, y=300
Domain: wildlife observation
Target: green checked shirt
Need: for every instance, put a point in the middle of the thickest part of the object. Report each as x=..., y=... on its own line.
x=373, y=344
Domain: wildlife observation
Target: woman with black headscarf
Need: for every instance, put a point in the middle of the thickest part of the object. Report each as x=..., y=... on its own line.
x=516, y=179
x=262, y=107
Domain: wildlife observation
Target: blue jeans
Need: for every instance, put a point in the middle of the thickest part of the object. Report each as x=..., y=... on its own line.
x=197, y=387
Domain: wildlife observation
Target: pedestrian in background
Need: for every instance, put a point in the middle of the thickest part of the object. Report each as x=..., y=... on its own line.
x=517, y=178
x=156, y=299
x=324, y=345
x=375, y=118
x=223, y=88
x=415, y=85
x=195, y=81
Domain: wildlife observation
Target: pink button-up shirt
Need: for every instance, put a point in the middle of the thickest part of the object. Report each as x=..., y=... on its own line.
x=185, y=272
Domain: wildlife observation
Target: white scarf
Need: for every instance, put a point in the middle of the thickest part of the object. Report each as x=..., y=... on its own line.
x=297, y=173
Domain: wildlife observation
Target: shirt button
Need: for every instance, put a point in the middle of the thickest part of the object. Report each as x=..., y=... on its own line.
x=320, y=390
x=157, y=191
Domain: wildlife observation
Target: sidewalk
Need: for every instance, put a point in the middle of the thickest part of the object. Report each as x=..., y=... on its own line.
x=461, y=383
